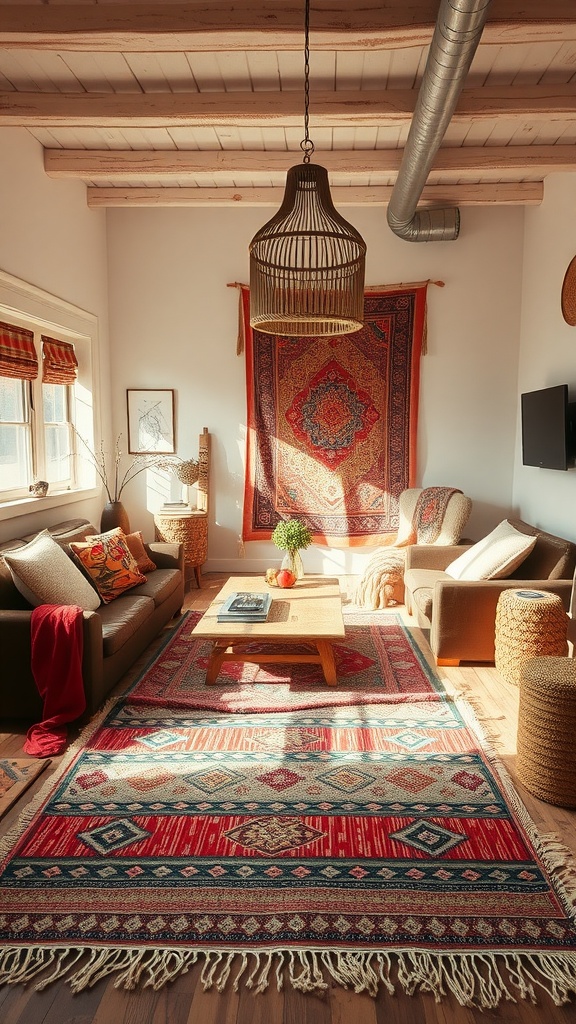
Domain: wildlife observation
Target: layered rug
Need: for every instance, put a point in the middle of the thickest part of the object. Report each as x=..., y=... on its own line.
x=332, y=423
x=376, y=662
x=373, y=845
x=16, y=774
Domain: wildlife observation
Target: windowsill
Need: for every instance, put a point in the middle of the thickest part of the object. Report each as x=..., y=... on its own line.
x=27, y=506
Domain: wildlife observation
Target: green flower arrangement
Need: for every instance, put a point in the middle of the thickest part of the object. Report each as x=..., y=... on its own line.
x=291, y=535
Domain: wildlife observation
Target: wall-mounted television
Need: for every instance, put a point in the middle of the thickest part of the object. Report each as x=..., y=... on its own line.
x=548, y=438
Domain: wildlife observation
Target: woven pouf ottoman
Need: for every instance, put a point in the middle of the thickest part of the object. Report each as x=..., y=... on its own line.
x=529, y=624
x=546, y=748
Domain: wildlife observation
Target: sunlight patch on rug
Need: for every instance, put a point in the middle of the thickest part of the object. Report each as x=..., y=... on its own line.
x=376, y=662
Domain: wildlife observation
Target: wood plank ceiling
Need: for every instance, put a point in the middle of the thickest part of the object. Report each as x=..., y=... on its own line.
x=201, y=103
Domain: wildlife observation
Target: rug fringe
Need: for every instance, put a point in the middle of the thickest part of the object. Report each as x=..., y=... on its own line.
x=479, y=980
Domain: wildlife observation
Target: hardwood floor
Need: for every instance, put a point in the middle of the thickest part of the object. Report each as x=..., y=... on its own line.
x=185, y=1002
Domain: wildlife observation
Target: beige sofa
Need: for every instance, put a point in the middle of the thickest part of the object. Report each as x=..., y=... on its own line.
x=114, y=635
x=461, y=614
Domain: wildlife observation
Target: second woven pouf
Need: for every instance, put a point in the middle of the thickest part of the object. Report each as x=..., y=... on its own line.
x=546, y=751
x=529, y=624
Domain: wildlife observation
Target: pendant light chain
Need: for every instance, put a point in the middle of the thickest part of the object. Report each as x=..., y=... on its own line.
x=307, y=262
x=307, y=146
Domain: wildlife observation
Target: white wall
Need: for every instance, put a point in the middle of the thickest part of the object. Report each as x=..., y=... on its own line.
x=547, y=497
x=49, y=238
x=173, y=324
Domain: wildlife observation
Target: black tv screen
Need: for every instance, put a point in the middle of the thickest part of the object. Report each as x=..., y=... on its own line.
x=545, y=441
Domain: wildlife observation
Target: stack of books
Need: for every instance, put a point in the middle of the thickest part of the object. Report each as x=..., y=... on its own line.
x=243, y=606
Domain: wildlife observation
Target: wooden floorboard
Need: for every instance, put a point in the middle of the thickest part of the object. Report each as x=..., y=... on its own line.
x=184, y=1001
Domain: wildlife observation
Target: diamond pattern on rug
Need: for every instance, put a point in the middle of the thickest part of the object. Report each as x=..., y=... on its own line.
x=411, y=779
x=429, y=837
x=347, y=779
x=213, y=779
x=113, y=836
x=290, y=739
x=271, y=836
x=468, y=780
x=411, y=740
x=159, y=740
x=280, y=779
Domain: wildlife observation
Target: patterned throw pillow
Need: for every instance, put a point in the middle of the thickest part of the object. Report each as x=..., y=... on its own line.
x=109, y=564
x=135, y=542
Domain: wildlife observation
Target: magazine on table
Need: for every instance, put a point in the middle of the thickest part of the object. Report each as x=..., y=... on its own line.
x=242, y=606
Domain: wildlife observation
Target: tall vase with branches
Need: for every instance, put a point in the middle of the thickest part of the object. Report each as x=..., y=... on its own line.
x=114, y=513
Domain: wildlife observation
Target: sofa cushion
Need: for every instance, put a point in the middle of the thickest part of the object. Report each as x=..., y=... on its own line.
x=10, y=596
x=121, y=619
x=44, y=574
x=159, y=585
x=135, y=542
x=421, y=583
x=110, y=564
x=494, y=557
x=551, y=558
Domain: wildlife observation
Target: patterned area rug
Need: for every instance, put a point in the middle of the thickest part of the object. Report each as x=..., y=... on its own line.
x=376, y=662
x=332, y=423
x=16, y=774
x=371, y=846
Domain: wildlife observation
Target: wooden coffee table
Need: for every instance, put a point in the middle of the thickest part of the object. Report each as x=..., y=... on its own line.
x=309, y=612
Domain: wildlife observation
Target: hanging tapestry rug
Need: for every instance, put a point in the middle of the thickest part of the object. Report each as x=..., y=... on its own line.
x=332, y=423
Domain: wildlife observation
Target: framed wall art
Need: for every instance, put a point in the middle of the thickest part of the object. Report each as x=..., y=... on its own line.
x=151, y=422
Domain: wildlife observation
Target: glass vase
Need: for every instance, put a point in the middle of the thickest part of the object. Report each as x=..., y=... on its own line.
x=293, y=561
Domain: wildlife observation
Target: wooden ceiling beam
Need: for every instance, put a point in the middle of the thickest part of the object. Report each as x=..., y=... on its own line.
x=499, y=194
x=374, y=108
x=202, y=25
x=512, y=162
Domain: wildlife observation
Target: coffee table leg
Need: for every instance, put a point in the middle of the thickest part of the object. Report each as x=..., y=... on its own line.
x=326, y=652
x=215, y=660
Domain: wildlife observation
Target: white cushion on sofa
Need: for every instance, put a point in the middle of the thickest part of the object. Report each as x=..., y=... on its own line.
x=494, y=557
x=44, y=574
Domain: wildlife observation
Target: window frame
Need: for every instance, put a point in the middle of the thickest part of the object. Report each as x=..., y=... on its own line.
x=30, y=307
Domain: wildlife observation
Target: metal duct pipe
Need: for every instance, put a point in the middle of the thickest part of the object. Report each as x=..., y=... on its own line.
x=458, y=30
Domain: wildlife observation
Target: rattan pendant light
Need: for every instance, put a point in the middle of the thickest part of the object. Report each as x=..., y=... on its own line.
x=307, y=262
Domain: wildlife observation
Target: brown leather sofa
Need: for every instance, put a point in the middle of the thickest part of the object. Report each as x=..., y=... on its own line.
x=114, y=635
x=461, y=614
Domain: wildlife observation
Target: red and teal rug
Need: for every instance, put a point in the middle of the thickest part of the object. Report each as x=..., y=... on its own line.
x=366, y=845
x=376, y=662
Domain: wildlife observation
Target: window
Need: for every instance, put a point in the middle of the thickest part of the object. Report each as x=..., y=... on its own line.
x=47, y=352
x=36, y=414
x=58, y=446
x=15, y=435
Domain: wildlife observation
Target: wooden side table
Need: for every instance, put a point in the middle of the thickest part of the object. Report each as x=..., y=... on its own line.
x=189, y=528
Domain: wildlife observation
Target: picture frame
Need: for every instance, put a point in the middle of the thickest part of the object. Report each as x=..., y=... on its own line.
x=150, y=421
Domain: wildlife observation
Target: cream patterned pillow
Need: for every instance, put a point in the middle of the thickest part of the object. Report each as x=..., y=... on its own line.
x=44, y=574
x=494, y=557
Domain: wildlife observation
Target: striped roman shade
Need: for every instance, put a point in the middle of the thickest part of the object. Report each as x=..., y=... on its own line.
x=17, y=353
x=59, y=363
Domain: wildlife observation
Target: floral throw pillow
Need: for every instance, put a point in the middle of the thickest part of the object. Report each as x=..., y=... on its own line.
x=108, y=562
x=135, y=543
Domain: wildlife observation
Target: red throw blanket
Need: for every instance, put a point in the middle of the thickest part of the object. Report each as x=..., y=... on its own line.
x=57, y=643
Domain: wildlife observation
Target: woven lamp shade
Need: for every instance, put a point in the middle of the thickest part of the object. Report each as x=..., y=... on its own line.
x=546, y=751
x=307, y=263
x=529, y=623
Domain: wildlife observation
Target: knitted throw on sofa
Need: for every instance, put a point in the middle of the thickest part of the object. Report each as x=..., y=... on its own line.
x=382, y=580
